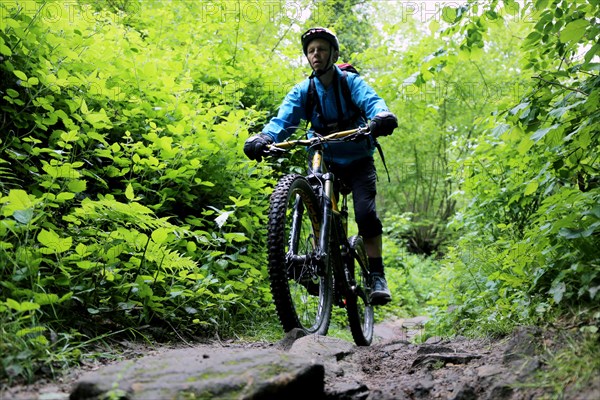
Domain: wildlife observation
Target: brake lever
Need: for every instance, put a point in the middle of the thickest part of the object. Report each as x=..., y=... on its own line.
x=273, y=151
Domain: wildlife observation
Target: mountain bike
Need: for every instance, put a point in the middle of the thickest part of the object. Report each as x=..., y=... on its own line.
x=313, y=264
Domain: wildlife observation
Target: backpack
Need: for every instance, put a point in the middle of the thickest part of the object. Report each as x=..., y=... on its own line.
x=312, y=99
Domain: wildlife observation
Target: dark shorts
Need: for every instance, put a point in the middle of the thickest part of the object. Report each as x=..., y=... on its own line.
x=360, y=177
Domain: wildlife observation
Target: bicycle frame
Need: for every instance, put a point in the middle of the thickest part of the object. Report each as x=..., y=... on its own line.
x=324, y=180
x=312, y=264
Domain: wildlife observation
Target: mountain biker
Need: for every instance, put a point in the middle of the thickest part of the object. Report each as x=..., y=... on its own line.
x=352, y=162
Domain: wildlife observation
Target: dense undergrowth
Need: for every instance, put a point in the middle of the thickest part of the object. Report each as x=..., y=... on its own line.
x=530, y=228
x=122, y=205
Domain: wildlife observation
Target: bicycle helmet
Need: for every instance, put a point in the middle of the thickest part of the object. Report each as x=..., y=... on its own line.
x=319, y=33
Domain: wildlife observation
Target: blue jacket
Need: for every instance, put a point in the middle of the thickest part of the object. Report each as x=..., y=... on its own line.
x=292, y=111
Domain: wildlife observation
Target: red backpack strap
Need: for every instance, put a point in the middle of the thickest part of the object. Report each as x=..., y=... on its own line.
x=348, y=67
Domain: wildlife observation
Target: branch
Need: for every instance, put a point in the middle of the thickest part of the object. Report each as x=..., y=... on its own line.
x=281, y=38
x=560, y=85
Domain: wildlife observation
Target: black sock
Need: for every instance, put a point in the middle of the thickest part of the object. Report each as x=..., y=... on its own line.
x=376, y=265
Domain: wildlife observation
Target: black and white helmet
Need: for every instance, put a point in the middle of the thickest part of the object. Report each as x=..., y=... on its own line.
x=319, y=33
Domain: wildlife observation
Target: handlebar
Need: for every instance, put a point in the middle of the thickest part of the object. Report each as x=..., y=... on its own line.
x=352, y=134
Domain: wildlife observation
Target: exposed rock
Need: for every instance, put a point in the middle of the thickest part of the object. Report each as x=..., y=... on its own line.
x=290, y=337
x=322, y=347
x=223, y=373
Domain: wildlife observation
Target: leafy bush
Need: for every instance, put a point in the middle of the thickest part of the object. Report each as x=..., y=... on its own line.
x=531, y=228
x=125, y=200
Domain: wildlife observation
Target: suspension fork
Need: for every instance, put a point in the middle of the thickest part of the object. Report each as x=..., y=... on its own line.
x=347, y=257
x=296, y=220
x=328, y=204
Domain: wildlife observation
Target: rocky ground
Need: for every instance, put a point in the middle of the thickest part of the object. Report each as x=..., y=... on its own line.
x=319, y=367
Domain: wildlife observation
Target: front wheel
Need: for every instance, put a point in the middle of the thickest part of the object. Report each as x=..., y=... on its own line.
x=302, y=290
x=358, y=307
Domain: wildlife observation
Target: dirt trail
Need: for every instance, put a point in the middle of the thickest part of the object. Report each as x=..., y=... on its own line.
x=391, y=368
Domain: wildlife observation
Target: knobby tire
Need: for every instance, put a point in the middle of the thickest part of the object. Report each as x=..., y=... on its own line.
x=302, y=293
x=359, y=310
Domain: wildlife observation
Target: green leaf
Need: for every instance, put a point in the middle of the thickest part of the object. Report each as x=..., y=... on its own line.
x=16, y=200
x=62, y=171
x=524, y=146
x=540, y=133
x=98, y=120
x=12, y=93
x=574, y=31
x=129, y=192
x=5, y=50
x=500, y=129
x=21, y=75
x=235, y=237
x=86, y=264
x=21, y=307
x=32, y=330
x=64, y=196
x=45, y=298
x=142, y=289
x=84, y=108
x=53, y=242
x=449, y=14
x=533, y=38
x=568, y=233
x=592, y=52
x=160, y=235
x=81, y=249
x=434, y=26
x=23, y=216
x=519, y=107
x=77, y=185
x=531, y=188
x=191, y=247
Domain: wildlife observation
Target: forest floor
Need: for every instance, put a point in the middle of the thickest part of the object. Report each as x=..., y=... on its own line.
x=393, y=367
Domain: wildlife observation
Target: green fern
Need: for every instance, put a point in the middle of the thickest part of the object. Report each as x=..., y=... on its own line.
x=8, y=179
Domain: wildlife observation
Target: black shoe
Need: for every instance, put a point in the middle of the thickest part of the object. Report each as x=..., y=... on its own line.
x=380, y=294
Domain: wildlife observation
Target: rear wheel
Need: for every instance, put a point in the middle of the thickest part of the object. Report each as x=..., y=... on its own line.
x=302, y=291
x=360, y=311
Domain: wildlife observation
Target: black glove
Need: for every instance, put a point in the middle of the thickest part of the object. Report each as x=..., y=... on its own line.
x=256, y=146
x=383, y=124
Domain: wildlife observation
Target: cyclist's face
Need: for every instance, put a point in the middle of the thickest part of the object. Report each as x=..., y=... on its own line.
x=318, y=53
